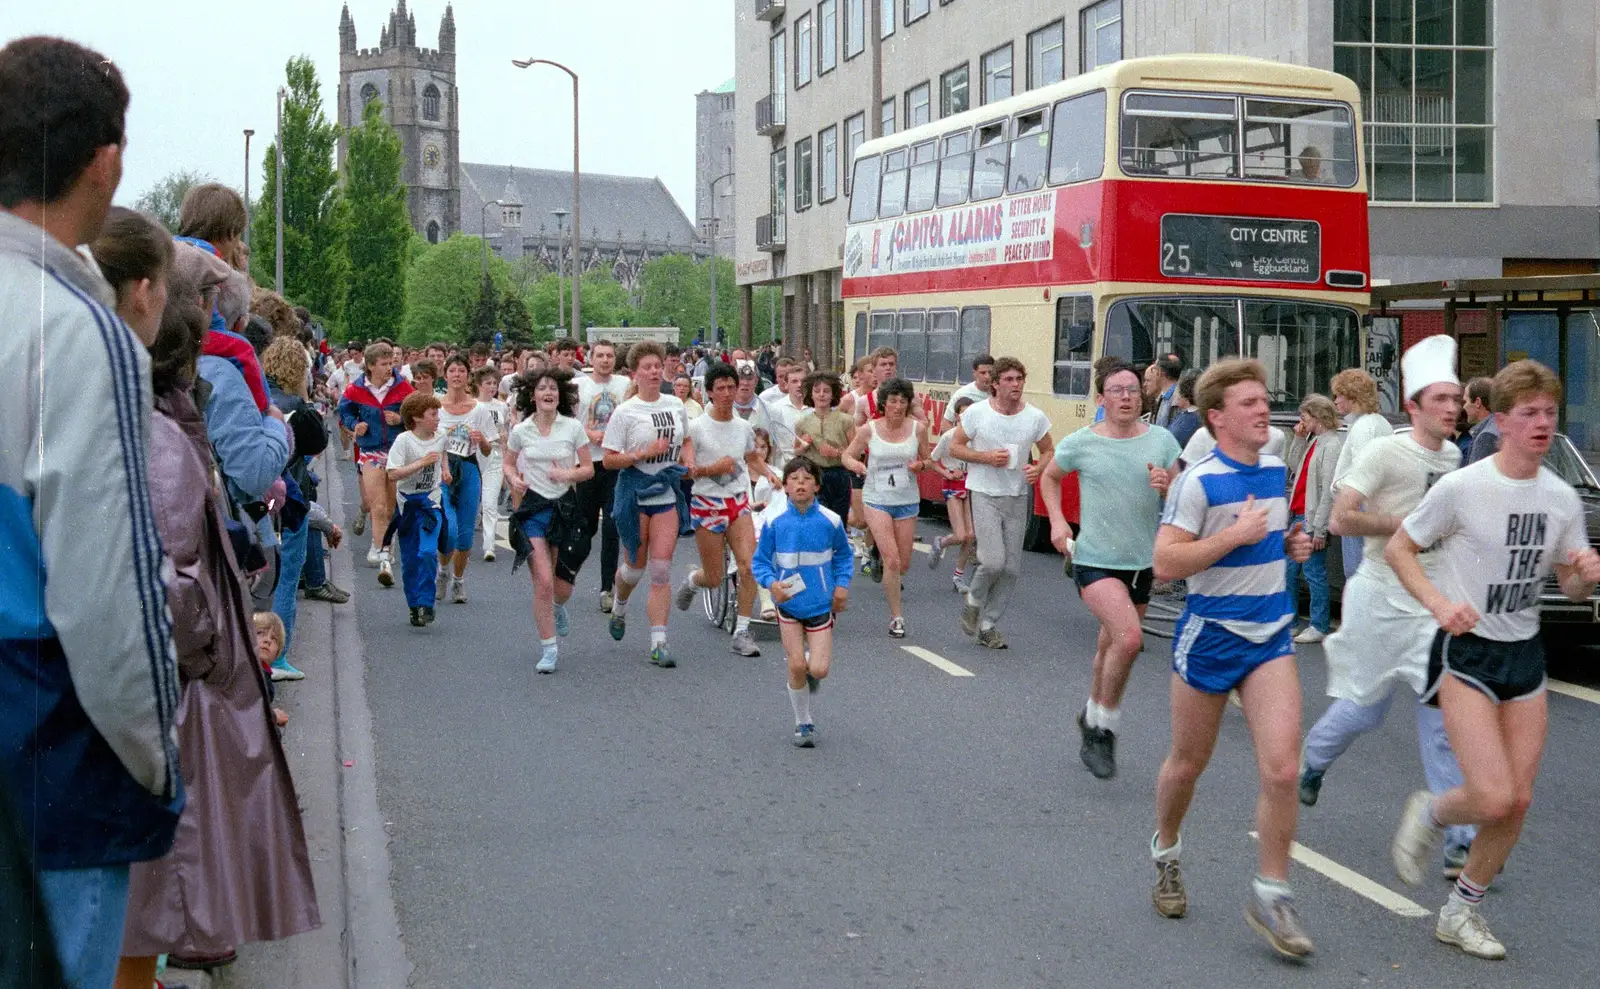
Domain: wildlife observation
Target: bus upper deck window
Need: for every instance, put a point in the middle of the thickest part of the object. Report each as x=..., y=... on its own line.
x=892, y=200
x=1078, y=138
x=1030, y=153
x=1309, y=143
x=989, y=167
x=955, y=169
x=1189, y=136
x=864, y=191
x=923, y=188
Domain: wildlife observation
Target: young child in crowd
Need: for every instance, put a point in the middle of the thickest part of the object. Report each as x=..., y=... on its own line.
x=423, y=375
x=488, y=388
x=807, y=596
x=417, y=468
x=761, y=492
x=957, y=507
x=269, y=643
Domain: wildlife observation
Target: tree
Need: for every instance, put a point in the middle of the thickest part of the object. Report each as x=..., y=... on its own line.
x=605, y=301
x=675, y=290
x=316, y=259
x=443, y=287
x=163, y=199
x=379, y=235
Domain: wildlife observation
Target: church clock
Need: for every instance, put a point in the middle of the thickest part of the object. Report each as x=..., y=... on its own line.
x=430, y=156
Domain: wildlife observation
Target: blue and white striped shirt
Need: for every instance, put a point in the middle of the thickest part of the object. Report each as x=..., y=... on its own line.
x=1245, y=591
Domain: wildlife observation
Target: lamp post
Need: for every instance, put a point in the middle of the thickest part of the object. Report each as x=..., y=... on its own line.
x=561, y=267
x=577, y=213
x=711, y=226
x=483, y=234
x=248, y=134
x=278, y=173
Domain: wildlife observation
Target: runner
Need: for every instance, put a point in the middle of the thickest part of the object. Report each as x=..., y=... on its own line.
x=1384, y=639
x=859, y=404
x=786, y=410
x=896, y=449
x=546, y=456
x=725, y=450
x=1497, y=527
x=823, y=434
x=1122, y=466
x=488, y=379
x=647, y=442
x=370, y=409
x=599, y=393
x=958, y=508
x=804, y=559
x=996, y=437
x=1225, y=531
x=975, y=390
x=467, y=427
x=416, y=464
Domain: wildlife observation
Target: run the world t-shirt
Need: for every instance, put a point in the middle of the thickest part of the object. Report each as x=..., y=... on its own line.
x=407, y=449
x=637, y=423
x=1496, y=539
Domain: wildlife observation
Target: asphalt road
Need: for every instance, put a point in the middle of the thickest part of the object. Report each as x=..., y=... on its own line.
x=621, y=825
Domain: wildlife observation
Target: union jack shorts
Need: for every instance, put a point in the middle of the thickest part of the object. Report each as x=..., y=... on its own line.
x=716, y=514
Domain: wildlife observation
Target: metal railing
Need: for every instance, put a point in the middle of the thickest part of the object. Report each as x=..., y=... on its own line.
x=770, y=115
x=769, y=10
x=771, y=231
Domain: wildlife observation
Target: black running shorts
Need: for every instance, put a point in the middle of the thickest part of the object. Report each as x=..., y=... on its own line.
x=1503, y=671
x=1138, y=582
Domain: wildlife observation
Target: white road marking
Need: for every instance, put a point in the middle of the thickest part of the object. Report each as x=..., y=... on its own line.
x=922, y=547
x=935, y=660
x=1355, y=882
x=1573, y=690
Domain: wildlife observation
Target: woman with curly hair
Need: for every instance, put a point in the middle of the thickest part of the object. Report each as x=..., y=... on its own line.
x=546, y=457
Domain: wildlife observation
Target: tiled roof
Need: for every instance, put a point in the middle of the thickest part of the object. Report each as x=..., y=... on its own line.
x=613, y=205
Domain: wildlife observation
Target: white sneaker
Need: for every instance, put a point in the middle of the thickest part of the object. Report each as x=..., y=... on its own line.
x=488, y=555
x=458, y=590
x=1416, y=840
x=1462, y=925
x=1310, y=635
x=441, y=585
x=385, y=571
x=373, y=555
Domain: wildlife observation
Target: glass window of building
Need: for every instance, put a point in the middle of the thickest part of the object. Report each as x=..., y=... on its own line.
x=886, y=116
x=955, y=91
x=780, y=61
x=430, y=102
x=1046, y=51
x=1426, y=74
x=780, y=180
x=828, y=164
x=827, y=35
x=802, y=50
x=1100, y=34
x=996, y=75
x=855, y=27
x=887, y=13
x=855, y=135
x=918, y=105
x=803, y=188
x=917, y=9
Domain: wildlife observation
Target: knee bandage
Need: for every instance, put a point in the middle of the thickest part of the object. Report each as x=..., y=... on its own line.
x=628, y=575
x=660, y=573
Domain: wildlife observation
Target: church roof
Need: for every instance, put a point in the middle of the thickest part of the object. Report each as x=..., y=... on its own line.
x=726, y=87
x=639, y=208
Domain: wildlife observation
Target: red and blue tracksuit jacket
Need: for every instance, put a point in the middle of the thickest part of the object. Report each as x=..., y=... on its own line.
x=360, y=405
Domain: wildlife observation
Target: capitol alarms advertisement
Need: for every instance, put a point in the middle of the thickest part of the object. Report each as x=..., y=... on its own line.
x=1003, y=232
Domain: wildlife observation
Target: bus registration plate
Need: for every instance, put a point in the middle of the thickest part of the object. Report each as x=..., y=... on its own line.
x=1240, y=248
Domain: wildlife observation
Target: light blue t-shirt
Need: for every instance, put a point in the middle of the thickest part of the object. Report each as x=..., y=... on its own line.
x=1120, y=512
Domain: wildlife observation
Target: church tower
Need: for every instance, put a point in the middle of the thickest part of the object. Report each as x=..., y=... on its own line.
x=417, y=87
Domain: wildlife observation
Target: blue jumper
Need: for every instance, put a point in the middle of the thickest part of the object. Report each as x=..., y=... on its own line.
x=812, y=543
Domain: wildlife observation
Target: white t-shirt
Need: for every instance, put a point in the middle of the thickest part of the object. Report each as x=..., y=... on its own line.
x=1202, y=443
x=537, y=453
x=506, y=381
x=407, y=449
x=1361, y=430
x=636, y=423
x=500, y=414
x=782, y=416
x=1392, y=474
x=596, y=403
x=968, y=390
x=714, y=440
x=457, y=429
x=988, y=429
x=1496, y=539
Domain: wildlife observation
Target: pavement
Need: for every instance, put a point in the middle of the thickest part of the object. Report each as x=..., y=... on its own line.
x=616, y=824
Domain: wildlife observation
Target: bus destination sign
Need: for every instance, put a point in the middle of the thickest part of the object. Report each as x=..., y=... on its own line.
x=1241, y=248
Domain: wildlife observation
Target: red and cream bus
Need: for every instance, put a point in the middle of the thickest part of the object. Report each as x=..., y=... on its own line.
x=1200, y=205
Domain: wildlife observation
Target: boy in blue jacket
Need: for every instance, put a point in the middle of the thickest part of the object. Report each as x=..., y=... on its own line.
x=804, y=559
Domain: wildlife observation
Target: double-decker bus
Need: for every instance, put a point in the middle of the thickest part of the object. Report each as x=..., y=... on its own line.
x=1199, y=205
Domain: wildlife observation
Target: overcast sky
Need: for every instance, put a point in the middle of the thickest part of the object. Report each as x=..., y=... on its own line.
x=200, y=75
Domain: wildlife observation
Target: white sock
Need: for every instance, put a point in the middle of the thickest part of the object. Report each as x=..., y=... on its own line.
x=694, y=578
x=1166, y=854
x=800, y=700
x=985, y=625
x=619, y=605
x=548, y=644
x=1091, y=714
x=658, y=635
x=1267, y=890
x=741, y=625
x=1110, y=717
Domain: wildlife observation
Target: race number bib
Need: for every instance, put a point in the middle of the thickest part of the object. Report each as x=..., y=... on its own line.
x=459, y=442
x=893, y=476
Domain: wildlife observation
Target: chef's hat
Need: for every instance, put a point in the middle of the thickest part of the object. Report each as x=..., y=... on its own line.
x=1430, y=361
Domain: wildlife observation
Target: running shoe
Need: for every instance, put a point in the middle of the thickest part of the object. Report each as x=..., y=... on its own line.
x=361, y=524
x=744, y=644
x=1416, y=840
x=1169, y=896
x=661, y=657
x=935, y=554
x=385, y=571
x=458, y=590
x=990, y=638
x=563, y=621
x=282, y=669
x=427, y=615
x=619, y=625
x=897, y=628
x=374, y=554
x=547, y=662
x=876, y=573
x=969, y=618
x=1099, y=752
x=805, y=736
x=329, y=593
x=1310, y=786
x=1455, y=859
x=488, y=554
x=416, y=618
x=1462, y=925
x=960, y=584
x=441, y=584
x=605, y=602
x=685, y=594
x=1278, y=921
x=1310, y=636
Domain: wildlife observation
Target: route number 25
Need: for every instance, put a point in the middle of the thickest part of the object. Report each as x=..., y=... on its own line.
x=1175, y=259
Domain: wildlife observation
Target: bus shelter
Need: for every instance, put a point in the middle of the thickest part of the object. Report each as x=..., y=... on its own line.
x=1554, y=319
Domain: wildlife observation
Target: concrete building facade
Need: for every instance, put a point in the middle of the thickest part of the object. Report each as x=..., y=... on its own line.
x=714, y=135
x=1480, y=115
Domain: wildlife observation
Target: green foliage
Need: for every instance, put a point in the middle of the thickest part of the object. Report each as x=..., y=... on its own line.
x=605, y=302
x=163, y=199
x=380, y=237
x=316, y=220
x=443, y=287
x=675, y=290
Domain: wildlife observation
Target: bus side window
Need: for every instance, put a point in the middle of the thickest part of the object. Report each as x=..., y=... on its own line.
x=974, y=339
x=989, y=170
x=892, y=201
x=1030, y=152
x=924, y=185
x=882, y=330
x=942, y=345
x=1074, y=345
x=1078, y=139
x=860, y=347
x=912, y=344
x=864, y=191
x=955, y=170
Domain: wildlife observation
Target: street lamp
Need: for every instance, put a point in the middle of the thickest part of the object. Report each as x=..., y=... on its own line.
x=278, y=171
x=483, y=235
x=248, y=134
x=711, y=226
x=561, y=268
x=577, y=214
